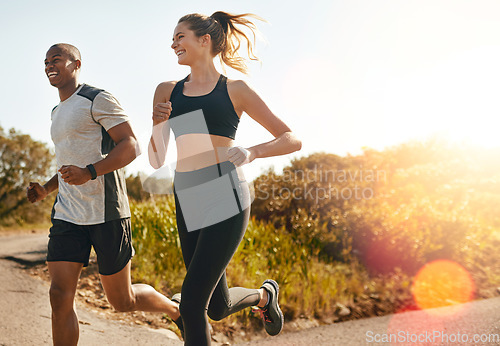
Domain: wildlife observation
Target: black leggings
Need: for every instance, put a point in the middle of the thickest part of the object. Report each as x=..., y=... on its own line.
x=207, y=250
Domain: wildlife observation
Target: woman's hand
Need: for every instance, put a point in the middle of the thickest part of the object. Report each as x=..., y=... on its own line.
x=161, y=112
x=240, y=156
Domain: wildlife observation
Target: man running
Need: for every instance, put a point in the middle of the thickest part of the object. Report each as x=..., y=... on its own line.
x=93, y=141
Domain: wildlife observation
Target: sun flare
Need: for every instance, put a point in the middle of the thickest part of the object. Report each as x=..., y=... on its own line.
x=442, y=283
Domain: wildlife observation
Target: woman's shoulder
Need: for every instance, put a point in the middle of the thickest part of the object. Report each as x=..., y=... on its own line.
x=165, y=89
x=164, y=86
x=238, y=86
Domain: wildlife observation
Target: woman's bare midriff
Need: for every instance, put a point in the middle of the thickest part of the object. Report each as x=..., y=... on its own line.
x=199, y=150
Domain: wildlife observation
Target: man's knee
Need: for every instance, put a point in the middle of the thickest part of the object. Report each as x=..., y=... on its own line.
x=61, y=299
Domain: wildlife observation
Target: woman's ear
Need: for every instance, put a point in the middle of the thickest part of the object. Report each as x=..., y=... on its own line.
x=206, y=40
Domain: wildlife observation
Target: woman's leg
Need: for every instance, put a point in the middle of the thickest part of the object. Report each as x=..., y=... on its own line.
x=226, y=301
x=207, y=253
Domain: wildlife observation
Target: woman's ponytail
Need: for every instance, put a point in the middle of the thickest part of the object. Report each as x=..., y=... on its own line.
x=226, y=33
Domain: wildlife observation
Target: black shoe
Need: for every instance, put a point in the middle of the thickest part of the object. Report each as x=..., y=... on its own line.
x=271, y=313
x=177, y=298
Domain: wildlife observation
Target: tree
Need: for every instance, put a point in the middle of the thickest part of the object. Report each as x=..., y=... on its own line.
x=141, y=186
x=22, y=160
x=135, y=190
x=401, y=207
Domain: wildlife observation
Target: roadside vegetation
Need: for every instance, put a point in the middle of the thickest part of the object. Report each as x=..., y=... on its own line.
x=345, y=236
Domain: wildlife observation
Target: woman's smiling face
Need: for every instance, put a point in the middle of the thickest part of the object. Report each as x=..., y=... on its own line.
x=187, y=46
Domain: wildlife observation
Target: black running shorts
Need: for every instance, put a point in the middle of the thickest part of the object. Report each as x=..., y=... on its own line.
x=112, y=242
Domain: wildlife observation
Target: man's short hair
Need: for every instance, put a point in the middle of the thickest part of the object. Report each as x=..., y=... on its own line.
x=71, y=50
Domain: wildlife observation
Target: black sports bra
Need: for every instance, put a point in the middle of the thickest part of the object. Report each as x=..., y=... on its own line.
x=212, y=113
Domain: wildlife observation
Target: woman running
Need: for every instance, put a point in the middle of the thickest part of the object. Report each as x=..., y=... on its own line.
x=212, y=198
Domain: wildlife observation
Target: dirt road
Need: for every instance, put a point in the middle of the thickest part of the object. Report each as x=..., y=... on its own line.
x=25, y=316
x=25, y=308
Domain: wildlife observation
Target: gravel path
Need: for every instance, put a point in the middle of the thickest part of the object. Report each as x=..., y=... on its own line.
x=443, y=326
x=25, y=307
x=25, y=316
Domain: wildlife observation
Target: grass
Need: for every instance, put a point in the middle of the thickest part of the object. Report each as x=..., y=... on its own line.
x=158, y=259
x=309, y=288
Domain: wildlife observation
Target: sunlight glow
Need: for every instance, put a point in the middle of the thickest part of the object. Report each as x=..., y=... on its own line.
x=442, y=283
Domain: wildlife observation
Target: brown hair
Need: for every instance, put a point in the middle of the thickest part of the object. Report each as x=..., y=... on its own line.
x=226, y=36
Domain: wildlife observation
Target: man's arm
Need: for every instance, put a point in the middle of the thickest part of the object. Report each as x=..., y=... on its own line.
x=125, y=151
x=36, y=192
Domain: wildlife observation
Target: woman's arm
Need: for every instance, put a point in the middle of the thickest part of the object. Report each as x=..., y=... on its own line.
x=247, y=100
x=157, y=149
x=286, y=143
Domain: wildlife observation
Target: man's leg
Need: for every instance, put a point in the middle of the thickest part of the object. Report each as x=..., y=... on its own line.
x=124, y=296
x=64, y=278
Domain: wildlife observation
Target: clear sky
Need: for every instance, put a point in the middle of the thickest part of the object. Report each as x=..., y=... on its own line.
x=342, y=74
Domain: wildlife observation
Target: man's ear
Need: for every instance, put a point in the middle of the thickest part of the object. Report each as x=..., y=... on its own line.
x=78, y=64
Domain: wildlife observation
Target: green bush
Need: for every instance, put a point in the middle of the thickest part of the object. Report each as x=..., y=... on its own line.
x=433, y=201
x=424, y=200
x=158, y=258
x=309, y=288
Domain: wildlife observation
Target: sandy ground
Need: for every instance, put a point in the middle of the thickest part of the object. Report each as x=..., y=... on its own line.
x=25, y=316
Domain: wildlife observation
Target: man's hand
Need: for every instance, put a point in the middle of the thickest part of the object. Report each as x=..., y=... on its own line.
x=74, y=175
x=35, y=192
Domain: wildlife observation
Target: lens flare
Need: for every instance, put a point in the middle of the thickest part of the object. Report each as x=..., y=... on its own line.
x=442, y=283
